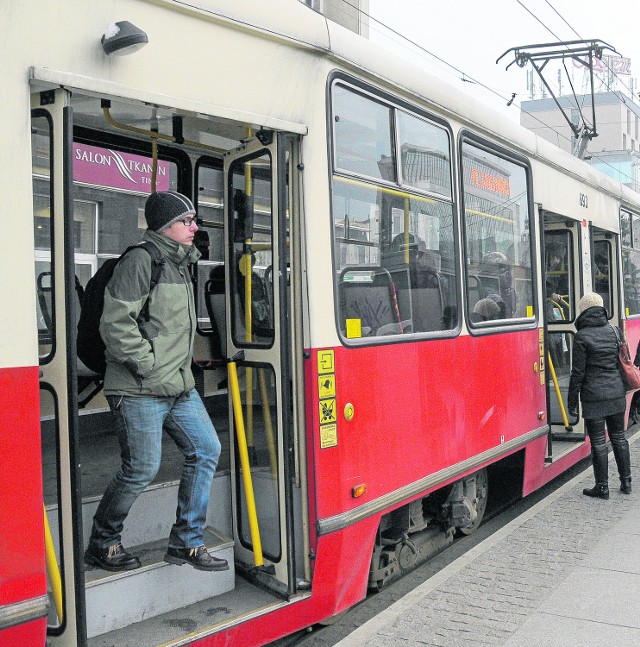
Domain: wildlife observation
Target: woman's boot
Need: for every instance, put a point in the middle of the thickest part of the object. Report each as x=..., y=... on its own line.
x=600, y=462
x=623, y=461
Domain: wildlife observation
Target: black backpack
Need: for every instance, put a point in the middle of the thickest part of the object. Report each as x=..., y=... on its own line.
x=90, y=347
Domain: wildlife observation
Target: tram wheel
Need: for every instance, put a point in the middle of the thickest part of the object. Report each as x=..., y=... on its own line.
x=480, y=503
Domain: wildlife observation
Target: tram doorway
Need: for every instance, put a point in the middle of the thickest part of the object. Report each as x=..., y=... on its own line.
x=562, y=284
x=247, y=290
x=577, y=259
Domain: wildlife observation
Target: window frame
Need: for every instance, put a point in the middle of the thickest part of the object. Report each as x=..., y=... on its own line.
x=395, y=104
x=467, y=137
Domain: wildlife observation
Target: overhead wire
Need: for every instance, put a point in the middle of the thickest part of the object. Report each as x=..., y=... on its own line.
x=467, y=77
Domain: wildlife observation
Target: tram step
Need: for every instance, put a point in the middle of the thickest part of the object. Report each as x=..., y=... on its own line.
x=153, y=513
x=115, y=600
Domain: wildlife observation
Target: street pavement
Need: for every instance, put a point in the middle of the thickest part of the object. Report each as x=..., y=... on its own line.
x=566, y=573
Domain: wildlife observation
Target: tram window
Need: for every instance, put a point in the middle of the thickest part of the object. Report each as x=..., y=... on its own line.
x=362, y=135
x=251, y=251
x=209, y=180
x=625, y=229
x=424, y=155
x=602, y=260
x=41, y=155
x=631, y=277
x=559, y=277
x=497, y=226
x=395, y=262
x=635, y=230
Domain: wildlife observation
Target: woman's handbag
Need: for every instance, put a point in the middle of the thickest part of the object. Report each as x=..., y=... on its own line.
x=629, y=372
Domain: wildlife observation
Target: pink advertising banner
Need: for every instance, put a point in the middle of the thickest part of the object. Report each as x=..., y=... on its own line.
x=116, y=170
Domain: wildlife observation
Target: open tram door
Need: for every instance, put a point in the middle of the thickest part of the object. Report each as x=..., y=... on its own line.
x=257, y=325
x=56, y=268
x=564, y=242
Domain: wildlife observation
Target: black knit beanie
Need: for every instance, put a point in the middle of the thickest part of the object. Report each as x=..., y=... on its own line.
x=163, y=208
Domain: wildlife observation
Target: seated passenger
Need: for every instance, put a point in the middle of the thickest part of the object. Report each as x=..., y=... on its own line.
x=496, y=264
x=486, y=309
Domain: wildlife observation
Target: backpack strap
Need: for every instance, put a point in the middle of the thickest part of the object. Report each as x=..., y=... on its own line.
x=157, y=263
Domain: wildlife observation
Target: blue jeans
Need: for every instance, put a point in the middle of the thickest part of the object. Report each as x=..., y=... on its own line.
x=140, y=421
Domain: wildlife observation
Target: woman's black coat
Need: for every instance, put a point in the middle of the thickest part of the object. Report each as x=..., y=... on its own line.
x=594, y=373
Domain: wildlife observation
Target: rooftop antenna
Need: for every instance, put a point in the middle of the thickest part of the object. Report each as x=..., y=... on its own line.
x=582, y=51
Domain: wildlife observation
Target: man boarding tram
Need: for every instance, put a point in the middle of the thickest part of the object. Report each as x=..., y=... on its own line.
x=149, y=386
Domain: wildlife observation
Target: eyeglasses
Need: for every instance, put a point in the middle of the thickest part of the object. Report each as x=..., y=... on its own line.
x=187, y=222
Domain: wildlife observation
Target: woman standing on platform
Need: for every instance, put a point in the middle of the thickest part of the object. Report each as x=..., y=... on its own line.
x=595, y=376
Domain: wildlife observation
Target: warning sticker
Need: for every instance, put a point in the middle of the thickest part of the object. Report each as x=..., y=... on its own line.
x=327, y=411
x=326, y=386
x=325, y=361
x=328, y=436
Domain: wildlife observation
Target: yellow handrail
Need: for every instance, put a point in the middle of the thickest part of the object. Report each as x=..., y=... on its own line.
x=53, y=570
x=244, y=462
x=563, y=411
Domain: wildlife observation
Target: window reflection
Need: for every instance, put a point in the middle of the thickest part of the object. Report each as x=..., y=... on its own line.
x=424, y=155
x=362, y=133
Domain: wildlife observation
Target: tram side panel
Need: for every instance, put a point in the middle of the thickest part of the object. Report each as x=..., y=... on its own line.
x=437, y=408
x=23, y=587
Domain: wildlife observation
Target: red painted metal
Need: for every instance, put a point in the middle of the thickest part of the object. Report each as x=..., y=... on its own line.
x=420, y=408
x=22, y=558
x=29, y=634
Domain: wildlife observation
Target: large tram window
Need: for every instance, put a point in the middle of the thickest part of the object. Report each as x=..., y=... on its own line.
x=497, y=226
x=394, y=250
x=252, y=254
x=362, y=135
x=601, y=266
x=424, y=155
x=559, y=277
x=41, y=155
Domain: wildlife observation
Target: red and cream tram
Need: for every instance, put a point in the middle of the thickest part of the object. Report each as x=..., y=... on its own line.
x=377, y=337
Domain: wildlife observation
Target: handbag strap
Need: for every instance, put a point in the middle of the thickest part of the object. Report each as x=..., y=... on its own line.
x=623, y=348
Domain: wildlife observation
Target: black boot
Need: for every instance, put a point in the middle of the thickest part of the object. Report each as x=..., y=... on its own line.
x=598, y=491
x=623, y=461
x=600, y=461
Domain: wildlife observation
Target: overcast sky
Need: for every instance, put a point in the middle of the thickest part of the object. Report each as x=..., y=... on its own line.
x=471, y=34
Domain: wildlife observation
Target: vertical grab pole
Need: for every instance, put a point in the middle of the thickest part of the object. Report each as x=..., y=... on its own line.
x=244, y=461
x=52, y=568
x=567, y=426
